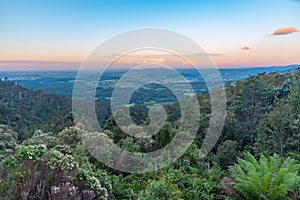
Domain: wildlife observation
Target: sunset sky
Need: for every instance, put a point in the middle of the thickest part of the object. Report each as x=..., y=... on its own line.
x=60, y=34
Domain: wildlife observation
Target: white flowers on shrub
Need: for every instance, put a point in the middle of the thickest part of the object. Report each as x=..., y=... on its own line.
x=63, y=161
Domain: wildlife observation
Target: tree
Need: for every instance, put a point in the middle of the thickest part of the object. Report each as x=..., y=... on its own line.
x=164, y=136
x=138, y=113
x=279, y=131
x=39, y=137
x=128, y=144
x=69, y=136
x=295, y=97
x=226, y=154
x=249, y=103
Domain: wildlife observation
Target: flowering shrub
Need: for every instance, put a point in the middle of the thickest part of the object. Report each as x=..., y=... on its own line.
x=39, y=137
x=8, y=138
x=31, y=152
x=62, y=161
x=34, y=172
x=93, y=180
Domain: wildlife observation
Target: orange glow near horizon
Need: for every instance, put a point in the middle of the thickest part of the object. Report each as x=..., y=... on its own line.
x=273, y=50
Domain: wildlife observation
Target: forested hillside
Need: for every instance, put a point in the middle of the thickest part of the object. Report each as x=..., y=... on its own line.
x=26, y=110
x=257, y=156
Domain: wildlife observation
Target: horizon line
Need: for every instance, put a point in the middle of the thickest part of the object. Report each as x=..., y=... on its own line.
x=128, y=68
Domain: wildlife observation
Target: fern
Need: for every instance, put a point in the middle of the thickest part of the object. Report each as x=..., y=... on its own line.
x=266, y=178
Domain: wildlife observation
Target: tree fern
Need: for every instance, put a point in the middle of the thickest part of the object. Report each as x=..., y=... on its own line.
x=266, y=178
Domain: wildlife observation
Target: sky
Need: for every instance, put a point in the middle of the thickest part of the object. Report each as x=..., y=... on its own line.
x=60, y=34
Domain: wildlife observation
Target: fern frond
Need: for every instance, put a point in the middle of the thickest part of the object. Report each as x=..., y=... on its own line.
x=274, y=163
x=268, y=178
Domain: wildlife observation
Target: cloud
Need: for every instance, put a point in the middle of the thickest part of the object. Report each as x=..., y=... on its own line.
x=245, y=48
x=284, y=31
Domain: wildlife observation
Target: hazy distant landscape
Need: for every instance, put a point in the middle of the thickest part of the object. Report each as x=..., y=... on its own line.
x=61, y=82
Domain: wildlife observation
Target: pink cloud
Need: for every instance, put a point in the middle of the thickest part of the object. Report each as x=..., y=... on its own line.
x=246, y=48
x=284, y=31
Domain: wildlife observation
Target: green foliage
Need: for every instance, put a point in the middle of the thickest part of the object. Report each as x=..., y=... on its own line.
x=196, y=184
x=69, y=136
x=250, y=101
x=39, y=137
x=26, y=110
x=31, y=152
x=295, y=97
x=33, y=171
x=169, y=183
x=128, y=144
x=189, y=159
x=161, y=189
x=164, y=136
x=51, y=163
x=226, y=154
x=93, y=180
x=127, y=187
x=268, y=178
x=8, y=138
x=24, y=168
x=279, y=131
x=65, y=149
x=80, y=155
x=284, y=90
x=62, y=161
x=138, y=113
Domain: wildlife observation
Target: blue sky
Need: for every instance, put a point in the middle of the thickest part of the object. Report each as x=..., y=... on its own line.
x=66, y=32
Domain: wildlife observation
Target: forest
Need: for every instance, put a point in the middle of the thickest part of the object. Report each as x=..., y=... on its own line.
x=257, y=156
